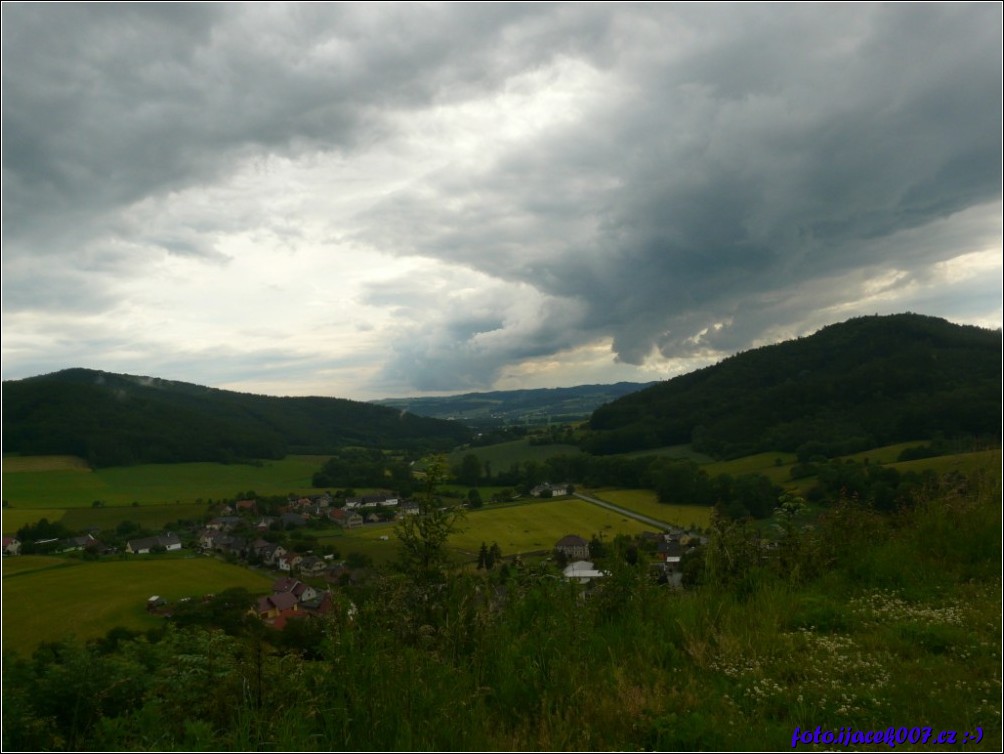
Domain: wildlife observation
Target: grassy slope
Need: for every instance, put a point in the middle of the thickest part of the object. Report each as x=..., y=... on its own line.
x=45, y=598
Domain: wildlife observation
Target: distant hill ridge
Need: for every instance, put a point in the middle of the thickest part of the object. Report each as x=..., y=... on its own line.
x=117, y=419
x=865, y=382
x=560, y=403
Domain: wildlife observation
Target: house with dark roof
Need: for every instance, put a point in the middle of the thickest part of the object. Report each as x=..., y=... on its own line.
x=302, y=592
x=146, y=545
x=344, y=518
x=274, y=604
x=76, y=544
x=573, y=547
x=312, y=565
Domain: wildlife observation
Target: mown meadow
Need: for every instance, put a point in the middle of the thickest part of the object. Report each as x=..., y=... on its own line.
x=647, y=503
x=49, y=599
x=34, y=487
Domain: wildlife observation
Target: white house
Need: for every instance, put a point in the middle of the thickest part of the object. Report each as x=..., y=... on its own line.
x=583, y=571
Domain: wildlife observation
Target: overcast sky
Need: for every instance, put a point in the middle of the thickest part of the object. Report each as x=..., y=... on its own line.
x=382, y=200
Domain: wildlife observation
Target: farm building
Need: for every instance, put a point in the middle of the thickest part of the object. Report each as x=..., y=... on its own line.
x=583, y=572
x=573, y=547
x=147, y=545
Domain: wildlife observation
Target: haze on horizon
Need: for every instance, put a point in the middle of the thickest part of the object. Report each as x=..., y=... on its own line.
x=376, y=200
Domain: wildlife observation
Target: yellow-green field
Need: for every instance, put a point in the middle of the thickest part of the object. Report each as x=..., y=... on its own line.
x=46, y=598
x=681, y=452
x=775, y=466
x=965, y=463
x=516, y=528
x=885, y=454
x=14, y=464
x=15, y=518
x=79, y=519
x=647, y=503
x=502, y=455
x=42, y=482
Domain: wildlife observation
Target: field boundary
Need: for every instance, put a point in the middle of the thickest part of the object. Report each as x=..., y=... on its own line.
x=624, y=511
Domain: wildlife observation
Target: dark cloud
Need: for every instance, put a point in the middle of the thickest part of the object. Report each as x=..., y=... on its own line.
x=715, y=172
x=766, y=156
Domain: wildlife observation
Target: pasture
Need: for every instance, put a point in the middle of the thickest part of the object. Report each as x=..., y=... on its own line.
x=152, y=484
x=538, y=525
x=79, y=519
x=46, y=598
x=678, y=452
x=647, y=503
x=15, y=518
x=503, y=455
x=774, y=465
x=963, y=463
x=885, y=454
x=14, y=464
x=520, y=528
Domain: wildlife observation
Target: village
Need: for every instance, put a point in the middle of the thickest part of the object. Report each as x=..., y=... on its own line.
x=271, y=535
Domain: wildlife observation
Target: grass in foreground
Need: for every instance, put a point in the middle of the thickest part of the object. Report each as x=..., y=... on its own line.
x=46, y=601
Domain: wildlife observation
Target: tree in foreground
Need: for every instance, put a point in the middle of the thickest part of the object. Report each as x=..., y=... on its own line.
x=423, y=536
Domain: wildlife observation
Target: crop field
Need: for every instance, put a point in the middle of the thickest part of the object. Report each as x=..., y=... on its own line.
x=681, y=452
x=156, y=484
x=93, y=597
x=23, y=564
x=79, y=519
x=365, y=541
x=147, y=516
x=775, y=466
x=517, y=528
x=647, y=503
x=15, y=518
x=885, y=454
x=505, y=454
x=537, y=526
x=966, y=463
x=44, y=463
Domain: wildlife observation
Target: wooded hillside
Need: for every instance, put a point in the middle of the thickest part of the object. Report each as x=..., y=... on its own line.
x=862, y=383
x=115, y=419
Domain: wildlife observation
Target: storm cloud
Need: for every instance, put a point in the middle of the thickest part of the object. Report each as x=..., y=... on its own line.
x=449, y=193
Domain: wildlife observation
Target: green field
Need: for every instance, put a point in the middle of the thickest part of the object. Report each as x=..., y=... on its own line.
x=775, y=466
x=520, y=528
x=681, y=452
x=89, y=598
x=79, y=519
x=15, y=518
x=504, y=454
x=153, y=484
x=965, y=463
x=885, y=454
x=14, y=464
x=647, y=503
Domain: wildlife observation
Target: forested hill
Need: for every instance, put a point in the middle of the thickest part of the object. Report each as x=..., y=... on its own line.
x=117, y=419
x=862, y=383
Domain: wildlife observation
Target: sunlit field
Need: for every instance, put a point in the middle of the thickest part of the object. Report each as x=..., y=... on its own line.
x=647, y=503
x=47, y=598
x=152, y=484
